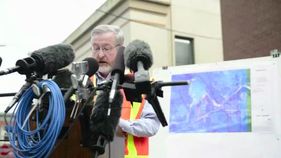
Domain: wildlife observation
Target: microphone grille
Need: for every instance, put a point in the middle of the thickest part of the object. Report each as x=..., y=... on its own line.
x=138, y=50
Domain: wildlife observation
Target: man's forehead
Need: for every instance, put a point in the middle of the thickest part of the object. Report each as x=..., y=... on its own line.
x=102, y=44
x=104, y=38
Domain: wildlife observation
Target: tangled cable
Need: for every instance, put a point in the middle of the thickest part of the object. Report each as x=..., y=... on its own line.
x=33, y=133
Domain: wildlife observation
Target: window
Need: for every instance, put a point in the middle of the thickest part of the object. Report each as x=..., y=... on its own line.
x=184, y=51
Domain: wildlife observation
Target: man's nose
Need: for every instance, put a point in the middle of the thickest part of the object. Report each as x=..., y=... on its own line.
x=100, y=53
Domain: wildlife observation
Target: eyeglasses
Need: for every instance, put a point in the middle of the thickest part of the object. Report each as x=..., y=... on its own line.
x=105, y=50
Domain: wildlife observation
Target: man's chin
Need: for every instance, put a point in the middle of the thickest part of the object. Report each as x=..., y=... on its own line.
x=105, y=70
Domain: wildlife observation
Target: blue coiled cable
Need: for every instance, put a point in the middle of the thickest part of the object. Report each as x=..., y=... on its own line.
x=39, y=141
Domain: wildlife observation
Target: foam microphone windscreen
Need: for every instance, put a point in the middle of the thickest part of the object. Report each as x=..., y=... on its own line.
x=138, y=50
x=93, y=66
x=100, y=122
x=52, y=58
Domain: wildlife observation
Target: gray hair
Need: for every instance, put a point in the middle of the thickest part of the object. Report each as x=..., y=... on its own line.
x=119, y=37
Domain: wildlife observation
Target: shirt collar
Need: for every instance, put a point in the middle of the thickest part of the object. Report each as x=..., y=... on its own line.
x=100, y=78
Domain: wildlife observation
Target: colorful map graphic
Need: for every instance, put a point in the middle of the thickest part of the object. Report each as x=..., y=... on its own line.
x=218, y=101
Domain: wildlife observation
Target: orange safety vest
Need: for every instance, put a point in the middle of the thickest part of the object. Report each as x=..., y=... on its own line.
x=135, y=147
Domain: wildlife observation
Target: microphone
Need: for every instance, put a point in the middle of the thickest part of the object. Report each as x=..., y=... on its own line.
x=138, y=57
x=117, y=74
x=63, y=76
x=79, y=78
x=44, y=61
x=0, y=61
x=138, y=51
x=102, y=126
x=93, y=66
x=88, y=66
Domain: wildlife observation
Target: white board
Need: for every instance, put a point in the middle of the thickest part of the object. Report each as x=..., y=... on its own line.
x=230, y=109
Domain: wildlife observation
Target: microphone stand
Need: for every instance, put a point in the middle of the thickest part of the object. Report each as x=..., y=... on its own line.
x=84, y=97
x=153, y=100
x=133, y=92
x=84, y=118
x=29, y=81
x=24, y=66
x=7, y=94
x=99, y=147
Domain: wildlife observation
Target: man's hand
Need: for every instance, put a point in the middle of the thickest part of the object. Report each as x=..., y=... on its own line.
x=120, y=132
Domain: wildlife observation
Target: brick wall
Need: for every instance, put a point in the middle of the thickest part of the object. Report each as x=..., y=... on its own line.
x=250, y=28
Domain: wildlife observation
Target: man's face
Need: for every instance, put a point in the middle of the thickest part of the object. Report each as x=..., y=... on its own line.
x=104, y=50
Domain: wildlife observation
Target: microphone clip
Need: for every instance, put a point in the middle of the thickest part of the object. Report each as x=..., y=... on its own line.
x=80, y=81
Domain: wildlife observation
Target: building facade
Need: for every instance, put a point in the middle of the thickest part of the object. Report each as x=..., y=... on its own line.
x=178, y=32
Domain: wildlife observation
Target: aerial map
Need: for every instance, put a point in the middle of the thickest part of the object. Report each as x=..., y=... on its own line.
x=215, y=101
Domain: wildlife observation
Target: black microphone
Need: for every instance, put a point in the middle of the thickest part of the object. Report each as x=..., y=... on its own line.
x=138, y=57
x=0, y=61
x=102, y=126
x=44, y=61
x=117, y=73
x=93, y=66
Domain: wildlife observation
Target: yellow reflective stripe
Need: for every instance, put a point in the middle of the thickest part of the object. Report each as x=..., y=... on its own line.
x=73, y=97
x=94, y=80
x=140, y=156
x=134, y=110
x=132, y=151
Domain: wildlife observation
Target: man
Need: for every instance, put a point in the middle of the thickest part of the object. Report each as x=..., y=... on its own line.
x=135, y=125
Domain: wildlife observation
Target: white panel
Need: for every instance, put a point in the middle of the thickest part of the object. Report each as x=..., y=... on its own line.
x=262, y=140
